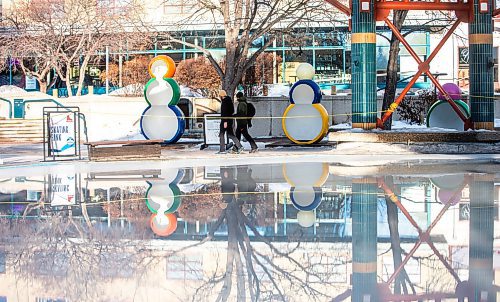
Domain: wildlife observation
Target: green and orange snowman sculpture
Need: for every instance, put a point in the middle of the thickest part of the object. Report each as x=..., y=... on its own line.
x=162, y=119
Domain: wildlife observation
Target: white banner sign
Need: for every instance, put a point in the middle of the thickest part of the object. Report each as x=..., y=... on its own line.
x=62, y=190
x=211, y=128
x=62, y=133
x=30, y=83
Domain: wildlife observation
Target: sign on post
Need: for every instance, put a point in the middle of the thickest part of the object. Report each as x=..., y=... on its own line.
x=30, y=83
x=211, y=129
x=62, y=189
x=61, y=132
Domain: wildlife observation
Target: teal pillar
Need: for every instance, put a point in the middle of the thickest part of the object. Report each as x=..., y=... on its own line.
x=363, y=61
x=481, y=65
x=481, y=235
x=364, y=240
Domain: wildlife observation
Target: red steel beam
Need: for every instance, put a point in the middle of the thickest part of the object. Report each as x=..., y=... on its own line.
x=413, y=5
x=423, y=236
x=341, y=7
x=423, y=67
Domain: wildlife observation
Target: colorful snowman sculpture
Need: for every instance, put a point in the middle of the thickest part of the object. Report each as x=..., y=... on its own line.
x=305, y=121
x=162, y=119
x=306, y=194
x=163, y=199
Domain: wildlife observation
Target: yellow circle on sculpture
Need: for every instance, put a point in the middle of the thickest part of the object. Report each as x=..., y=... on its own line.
x=305, y=71
x=294, y=123
x=301, y=174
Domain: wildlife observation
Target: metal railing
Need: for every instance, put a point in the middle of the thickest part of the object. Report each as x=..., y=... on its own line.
x=81, y=116
x=10, y=106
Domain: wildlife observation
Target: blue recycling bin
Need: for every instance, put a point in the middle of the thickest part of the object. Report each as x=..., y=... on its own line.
x=19, y=108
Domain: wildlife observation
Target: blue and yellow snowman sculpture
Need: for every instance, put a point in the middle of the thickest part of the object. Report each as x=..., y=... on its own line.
x=305, y=121
x=162, y=119
x=306, y=194
x=163, y=199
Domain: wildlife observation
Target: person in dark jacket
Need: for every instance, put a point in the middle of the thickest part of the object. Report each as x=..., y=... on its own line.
x=228, y=184
x=226, y=123
x=242, y=121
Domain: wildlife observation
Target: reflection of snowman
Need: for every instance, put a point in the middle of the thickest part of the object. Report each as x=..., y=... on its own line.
x=162, y=119
x=305, y=121
x=163, y=199
x=306, y=194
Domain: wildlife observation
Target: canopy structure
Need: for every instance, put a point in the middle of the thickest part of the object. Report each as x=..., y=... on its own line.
x=364, y=14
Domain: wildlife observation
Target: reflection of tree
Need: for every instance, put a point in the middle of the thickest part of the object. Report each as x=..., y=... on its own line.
x=67, y=258
x=402, y=281
x=257, y=269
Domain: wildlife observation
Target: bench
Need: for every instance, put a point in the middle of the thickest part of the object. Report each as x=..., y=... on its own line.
x=124, y=150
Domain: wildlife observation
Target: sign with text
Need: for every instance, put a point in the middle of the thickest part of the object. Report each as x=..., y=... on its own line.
x=30, y=83
x=211, y=128
x=62, y=189
x=62, y=134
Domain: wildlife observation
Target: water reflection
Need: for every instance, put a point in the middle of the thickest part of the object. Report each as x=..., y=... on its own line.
x=285, y=232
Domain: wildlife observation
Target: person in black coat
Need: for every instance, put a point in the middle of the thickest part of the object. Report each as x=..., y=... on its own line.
x=226, y=123
x=242, y=123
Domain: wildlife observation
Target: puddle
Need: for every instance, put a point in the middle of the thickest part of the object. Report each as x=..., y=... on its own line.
x=296, y=231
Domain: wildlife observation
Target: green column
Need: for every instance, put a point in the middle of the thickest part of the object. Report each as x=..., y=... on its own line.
x=364, y=240
x=481, y=235
x=363, y=61
x=481, y=67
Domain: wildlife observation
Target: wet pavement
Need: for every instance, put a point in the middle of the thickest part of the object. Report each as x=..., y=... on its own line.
x=310, y=230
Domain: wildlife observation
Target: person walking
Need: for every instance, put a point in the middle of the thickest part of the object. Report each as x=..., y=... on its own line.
x=243, y=121
x=226, y=123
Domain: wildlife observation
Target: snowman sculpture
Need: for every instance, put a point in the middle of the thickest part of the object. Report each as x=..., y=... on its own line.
x=162, y=119
x=305, y=121
x=306, y=194
x=163, y=199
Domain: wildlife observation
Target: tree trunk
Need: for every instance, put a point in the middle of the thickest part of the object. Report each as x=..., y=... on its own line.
x=392, y=67
x=43, y=85
x=68, y=83
x=81, y=76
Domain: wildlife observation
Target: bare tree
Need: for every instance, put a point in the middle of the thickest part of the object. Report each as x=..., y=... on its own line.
x=249, y=28
x=67, y=34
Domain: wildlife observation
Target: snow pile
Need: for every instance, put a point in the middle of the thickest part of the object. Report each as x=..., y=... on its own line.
x=11, y=89
x=129, y=90
x=278, y=90
x=397, y=126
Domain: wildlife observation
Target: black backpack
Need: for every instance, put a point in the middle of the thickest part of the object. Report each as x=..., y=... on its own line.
x=250, y=113
x=250, y=110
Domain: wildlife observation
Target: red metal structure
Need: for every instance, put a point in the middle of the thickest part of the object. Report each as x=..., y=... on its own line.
x=464, y=11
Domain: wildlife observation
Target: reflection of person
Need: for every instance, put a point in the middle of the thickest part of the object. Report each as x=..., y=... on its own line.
x=242, y=123
x=226, y=123
x=228, y=184
x=246, y=184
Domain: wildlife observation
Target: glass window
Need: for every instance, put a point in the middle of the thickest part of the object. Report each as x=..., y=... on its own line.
x=174, y=7
x=215, y=42
x=112, y=7
x=185, y=267
x=51, y=264
x=328, y=39
x=114, y=265
x=330, y=65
